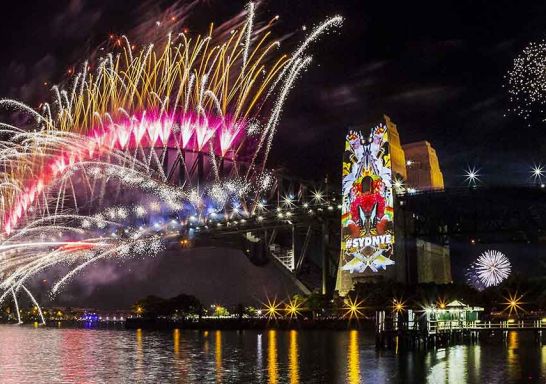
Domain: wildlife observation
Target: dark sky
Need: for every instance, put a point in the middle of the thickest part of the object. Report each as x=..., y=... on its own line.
x=437, y=68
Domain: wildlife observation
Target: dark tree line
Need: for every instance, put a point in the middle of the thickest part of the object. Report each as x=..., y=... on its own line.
x=180, y=306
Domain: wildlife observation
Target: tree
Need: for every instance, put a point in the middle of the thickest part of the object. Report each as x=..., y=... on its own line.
x=180, y=306
x=220, y=311
x=184, y=305
x=151, y=306
x=316, y=302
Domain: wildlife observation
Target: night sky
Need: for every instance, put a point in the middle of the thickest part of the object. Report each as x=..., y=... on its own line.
x=436, y=68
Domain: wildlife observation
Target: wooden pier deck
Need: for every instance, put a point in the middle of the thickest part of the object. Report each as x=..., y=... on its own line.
x=422, y=331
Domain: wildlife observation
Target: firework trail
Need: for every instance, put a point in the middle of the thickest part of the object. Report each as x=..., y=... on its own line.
x=489, y=270
x=112, y=155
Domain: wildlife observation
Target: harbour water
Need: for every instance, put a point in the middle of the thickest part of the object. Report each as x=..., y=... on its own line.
x=68, y=355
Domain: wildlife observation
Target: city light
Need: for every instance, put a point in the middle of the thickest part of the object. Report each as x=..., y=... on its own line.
x=293, y=307
x=537, y=172
x=472, y=176
x=288, y=201
x=317, y=196
x=353, y=308
x=398, y=306
x=513, y=303
x=272, y=308
x=398, y=185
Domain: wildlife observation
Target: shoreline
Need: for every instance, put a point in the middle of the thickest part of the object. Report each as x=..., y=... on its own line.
x=233, y=324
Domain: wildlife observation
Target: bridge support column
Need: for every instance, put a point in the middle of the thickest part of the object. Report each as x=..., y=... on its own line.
x=293, y=262
x=182, y=168
x=200, y=170
x=165, y=163
x=324, y=251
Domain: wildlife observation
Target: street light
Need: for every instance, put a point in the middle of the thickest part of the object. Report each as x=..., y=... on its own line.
x=537, y=172
x=472, y=176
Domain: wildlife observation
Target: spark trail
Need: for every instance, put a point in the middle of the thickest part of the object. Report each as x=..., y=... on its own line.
x=94, y=177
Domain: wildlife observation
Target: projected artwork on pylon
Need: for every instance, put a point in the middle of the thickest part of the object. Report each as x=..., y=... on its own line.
x=367, y=239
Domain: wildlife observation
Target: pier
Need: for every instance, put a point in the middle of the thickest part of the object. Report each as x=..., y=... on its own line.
x=455, y=323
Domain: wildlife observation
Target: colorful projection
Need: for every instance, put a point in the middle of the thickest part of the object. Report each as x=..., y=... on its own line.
x=367, y=238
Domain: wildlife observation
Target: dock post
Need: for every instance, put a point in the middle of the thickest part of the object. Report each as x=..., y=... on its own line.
x=380, y=329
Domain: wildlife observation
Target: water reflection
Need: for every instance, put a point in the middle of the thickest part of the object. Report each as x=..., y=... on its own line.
x=206, y=343
x=139, y=364
x=512, y=355
x=181, y=364
x=259, y=356
x=176, y=340
x=293, y=364
x=449, y=365
x=57, y=355
x=272, y=368
x=474, y=364
x=456, y=359
x=71, y=345
x=543, y=360
x=353, y=358
x=218, y=354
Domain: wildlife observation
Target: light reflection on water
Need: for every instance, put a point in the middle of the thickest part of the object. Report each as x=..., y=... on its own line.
x=293, y=364
x=353, y=358
x=272, y=356
x=59, y=355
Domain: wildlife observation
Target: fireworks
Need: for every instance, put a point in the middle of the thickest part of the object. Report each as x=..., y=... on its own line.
x=527, y=81
x=134, y=132
x=490, y=269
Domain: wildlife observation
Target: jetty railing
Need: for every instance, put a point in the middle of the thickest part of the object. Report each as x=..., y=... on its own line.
x=420, y=329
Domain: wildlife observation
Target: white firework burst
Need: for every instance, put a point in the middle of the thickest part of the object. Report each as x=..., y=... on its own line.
x=490, y=269
x=527, y=81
